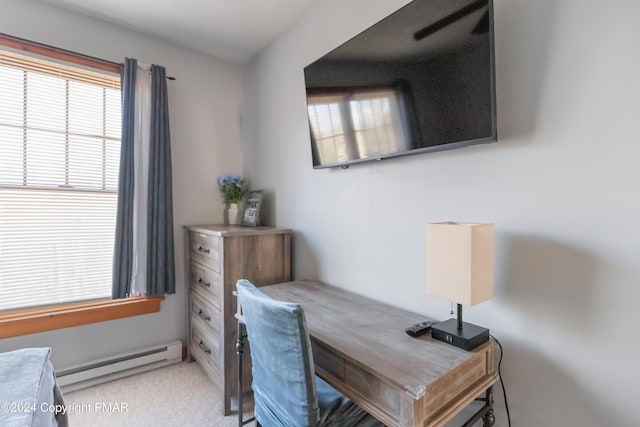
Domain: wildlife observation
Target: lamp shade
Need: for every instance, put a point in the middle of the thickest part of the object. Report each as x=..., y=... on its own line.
x=460, y=262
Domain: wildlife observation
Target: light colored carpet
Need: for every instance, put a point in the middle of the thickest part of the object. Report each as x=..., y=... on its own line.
x=177, y=395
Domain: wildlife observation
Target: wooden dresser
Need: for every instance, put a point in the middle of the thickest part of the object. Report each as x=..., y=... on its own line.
x=219, y=255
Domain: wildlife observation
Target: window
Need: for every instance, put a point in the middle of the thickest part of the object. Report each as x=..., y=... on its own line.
x=59, y=158
x=355, y=125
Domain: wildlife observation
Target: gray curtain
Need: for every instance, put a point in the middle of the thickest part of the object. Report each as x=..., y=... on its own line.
x=160, y=260
x=160, y=252
x=123, y=250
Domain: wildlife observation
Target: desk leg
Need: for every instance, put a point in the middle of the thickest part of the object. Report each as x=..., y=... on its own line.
x=486, y=412
x=489, y=419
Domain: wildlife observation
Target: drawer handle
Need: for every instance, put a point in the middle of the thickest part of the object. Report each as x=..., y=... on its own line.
x=204, y=347
x=203, y=250
x=203, y=283
x=203, y=316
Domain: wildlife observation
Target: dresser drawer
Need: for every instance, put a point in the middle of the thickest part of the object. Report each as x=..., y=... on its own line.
x=213, y=374
x=205, y=249
x=205, y=347
x=207, y=282
x=208, y=314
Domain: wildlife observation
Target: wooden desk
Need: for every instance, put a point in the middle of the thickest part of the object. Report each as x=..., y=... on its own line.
x=360, y=348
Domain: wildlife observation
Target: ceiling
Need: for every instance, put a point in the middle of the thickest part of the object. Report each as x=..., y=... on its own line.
x=234, y=30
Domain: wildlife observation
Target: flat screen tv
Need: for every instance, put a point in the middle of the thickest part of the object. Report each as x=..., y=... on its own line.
x=420, y=80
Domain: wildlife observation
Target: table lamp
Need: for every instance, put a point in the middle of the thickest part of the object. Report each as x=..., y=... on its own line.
x=460, y=270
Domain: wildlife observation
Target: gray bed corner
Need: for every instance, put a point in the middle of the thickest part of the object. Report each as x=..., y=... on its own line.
x=29, y=394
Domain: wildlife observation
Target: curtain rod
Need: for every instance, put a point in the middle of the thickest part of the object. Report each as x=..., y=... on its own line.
x=166, y=77
x=59, y=53
x=169, y=78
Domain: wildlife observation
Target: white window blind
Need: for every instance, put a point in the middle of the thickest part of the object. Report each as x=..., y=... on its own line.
x=59, y=159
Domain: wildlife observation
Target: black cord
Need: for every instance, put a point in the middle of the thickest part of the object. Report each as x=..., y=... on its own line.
x=504, y=391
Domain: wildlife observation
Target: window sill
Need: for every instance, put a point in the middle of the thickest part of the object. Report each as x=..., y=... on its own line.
x=31, y=321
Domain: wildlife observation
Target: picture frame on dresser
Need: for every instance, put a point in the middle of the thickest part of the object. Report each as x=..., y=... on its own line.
x=251, y=216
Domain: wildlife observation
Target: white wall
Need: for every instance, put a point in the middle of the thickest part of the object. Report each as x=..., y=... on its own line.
x=204, y=105
x=561, y=186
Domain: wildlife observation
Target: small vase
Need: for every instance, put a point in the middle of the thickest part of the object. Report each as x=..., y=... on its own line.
x=232, y=214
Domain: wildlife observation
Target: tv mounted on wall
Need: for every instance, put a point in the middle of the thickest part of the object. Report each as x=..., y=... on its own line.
x=418, y=81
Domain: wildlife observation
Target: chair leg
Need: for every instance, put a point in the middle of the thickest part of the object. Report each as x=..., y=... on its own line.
x=239, y=346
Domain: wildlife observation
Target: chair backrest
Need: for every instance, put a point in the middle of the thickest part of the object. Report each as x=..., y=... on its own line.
x=284, y=387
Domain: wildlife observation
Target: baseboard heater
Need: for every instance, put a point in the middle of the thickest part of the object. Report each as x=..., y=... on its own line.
x=119, y=366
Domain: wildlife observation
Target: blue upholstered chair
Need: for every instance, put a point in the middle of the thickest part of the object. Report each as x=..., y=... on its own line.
x=286, y=391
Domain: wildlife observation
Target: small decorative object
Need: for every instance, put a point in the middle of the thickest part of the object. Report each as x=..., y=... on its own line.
x=232, y=214
x=232, y=187
x=251, y=215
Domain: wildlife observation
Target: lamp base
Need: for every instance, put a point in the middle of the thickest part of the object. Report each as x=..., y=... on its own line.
x=467, y=338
